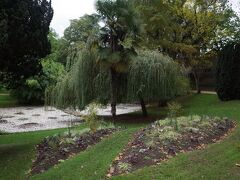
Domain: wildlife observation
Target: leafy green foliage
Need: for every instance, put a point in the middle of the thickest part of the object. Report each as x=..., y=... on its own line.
x=32, y=91
x=102, y=70
x=191, y=31
x=119, y=35
x=154, y=76
x=7, y=101
x=174, y=109
x=81, y=85
x=167, y=131
x=228, y=73
x=91, y=118
x=83, y=32
x=122, y=27
x=124, y=167
x=24, y=28
x=33, y=88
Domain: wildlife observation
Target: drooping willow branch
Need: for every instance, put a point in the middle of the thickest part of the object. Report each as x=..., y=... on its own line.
x=151, y=76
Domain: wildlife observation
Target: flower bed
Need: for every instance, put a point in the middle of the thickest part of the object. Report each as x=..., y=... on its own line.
x=166, y=138
x=55, y=149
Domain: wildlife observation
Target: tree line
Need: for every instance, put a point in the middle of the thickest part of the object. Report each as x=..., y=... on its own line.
x=106, y=50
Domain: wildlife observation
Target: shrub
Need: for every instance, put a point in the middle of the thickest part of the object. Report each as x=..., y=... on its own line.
x=124, y=167
x=228, y=73
x=91, y=118
x=174, y=109
x=32, y=89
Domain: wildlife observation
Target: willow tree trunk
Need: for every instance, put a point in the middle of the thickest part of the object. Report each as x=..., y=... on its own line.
x=144, y=109
x=113, y=92
x=196, y=78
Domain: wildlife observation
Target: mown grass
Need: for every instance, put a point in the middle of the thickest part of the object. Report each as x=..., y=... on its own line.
x=3, y=91
x=93, y=163
x=17, y=151
x=6, y=100
x=217, y=161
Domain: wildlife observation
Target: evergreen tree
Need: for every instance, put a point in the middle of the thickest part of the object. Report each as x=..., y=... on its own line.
x=190, y=31
x=228, y=73
x=24, y=28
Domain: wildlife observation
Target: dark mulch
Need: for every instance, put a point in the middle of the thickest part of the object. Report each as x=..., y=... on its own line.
x=132, y=118
x=51, y=152
x=138, y=155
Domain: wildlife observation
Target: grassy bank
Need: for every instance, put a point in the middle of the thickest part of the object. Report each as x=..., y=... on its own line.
x=6, y=100
x=217, y=161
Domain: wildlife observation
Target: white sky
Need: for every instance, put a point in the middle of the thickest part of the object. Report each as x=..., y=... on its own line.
x=65, y=10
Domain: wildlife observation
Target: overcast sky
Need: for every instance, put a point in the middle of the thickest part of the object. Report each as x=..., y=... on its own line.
x=65, y=10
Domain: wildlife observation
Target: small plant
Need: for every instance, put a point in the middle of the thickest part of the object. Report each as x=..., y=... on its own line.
x=205, y=124
x=169, y=136
x=147, y=158
x=91, y=118
x=150, y=143
x=174, y=109
x=66, y=141
x=124, y=167
x=70, y=128
x=175, y=124
x=54, y=141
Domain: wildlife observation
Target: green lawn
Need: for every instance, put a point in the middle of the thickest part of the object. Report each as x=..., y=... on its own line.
x=2, y=90
x=217, y=161
x=6, y=100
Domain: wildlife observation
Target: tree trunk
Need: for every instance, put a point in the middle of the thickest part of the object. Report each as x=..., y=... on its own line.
x=144, y=109
x=113, y=92
x=196, y=78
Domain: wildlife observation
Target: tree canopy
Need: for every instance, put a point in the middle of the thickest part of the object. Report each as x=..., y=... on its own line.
x=118, y=37
x=24, y=27
x=106, y=53
x=81, y=32
x=228, y=72
x=190, y=31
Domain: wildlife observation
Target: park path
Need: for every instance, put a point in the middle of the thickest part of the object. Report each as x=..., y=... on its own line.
x=23, y=119
x=206, y=92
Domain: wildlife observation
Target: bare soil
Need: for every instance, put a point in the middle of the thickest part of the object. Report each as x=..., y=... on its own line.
x=54, y=150
x=138, y=154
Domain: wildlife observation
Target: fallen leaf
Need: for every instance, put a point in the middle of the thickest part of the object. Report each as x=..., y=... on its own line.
x=109, y=175
x=117, y=159
x=111, y=170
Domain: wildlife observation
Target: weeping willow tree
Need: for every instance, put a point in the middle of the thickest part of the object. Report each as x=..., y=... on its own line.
x=111, y=71
x=85, y=82
x=153, y=76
